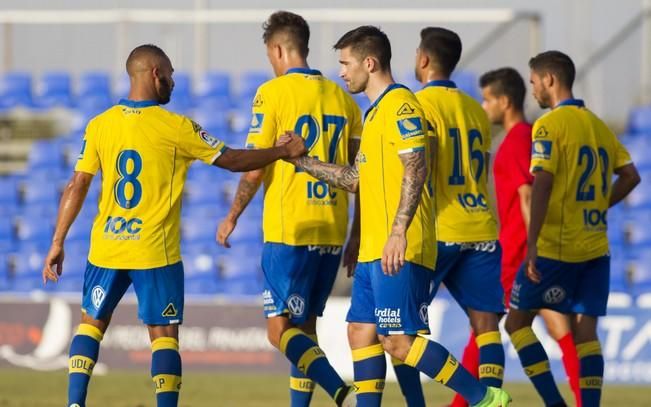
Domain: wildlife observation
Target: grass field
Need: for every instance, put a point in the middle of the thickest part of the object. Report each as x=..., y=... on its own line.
x=24, y=388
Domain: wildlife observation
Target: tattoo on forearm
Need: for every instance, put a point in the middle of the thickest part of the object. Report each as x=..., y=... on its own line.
x=353, y=149
x=245, y=192
x=415, y=175
x=339, y=176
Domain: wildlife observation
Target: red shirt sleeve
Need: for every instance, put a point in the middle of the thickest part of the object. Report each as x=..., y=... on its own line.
x=520, y=153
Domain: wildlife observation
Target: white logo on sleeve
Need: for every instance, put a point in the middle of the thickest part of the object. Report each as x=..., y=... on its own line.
x=208, y=139
x=296, y=305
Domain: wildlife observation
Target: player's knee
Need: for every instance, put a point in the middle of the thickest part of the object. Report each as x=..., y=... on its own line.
x=483, y=322
x=276, y=326
x=513, y=323
x=396, y=345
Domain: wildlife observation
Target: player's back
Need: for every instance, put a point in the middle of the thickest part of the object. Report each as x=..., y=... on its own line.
x=460, y=167
x=144, y=152
x=581, y=152
x=298, y=208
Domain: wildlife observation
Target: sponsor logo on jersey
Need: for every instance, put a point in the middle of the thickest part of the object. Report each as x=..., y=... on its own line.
x=208, y=139
x=541, y=132
x=388, y=317
x=423, y=314
x=405, y=109
x=256, y=123
x=257, y=102
x=119, y=228
x=554, y=295
x=169, y=311
x=97, y=296
x=541, y=149
x=410, y=127
x=334, y=250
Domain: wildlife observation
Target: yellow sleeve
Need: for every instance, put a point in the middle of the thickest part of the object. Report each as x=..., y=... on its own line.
x=262, y=131
x=356, y=125
x=197, y=143
x=622, y=157
x=544, y=148
x=88, y=160
x=407, y=131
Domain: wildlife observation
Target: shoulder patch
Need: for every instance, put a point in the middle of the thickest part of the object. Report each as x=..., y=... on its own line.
x=405, y=109
x=208, y=139
x=256, y=123
x=257, y=102
x=410, y=127
x=195, y=126
x=541, y=132
x=541, y=149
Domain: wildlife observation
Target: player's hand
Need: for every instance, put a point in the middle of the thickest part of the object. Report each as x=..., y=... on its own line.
x=530, y=264
x=393, y=257
x=351, y=253
x=224, y=230
x=293, y=144
x=53, y=266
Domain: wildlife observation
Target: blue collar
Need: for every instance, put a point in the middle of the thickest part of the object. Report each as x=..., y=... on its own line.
x=138, y=103
x=571, y=102
x=387, y=90
x=442, y=82
x=305, y=71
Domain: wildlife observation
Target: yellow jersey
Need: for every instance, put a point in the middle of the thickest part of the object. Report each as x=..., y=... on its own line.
x=299, y=209
x=144, y=152
x=575, y=146
x=394, y=124
x=460, y=166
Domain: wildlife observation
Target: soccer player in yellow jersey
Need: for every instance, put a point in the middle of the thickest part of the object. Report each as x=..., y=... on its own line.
x=398, y=244
x=143, y=152
x=304, y=220
x=469, y=254
x=567, y=266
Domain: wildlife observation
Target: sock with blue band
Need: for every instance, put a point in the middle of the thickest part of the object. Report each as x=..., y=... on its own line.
x=84, y=351
x=166, y=371
x=491, y=358
x=370, y=367
x=301, y=387
x=592, y=372
x=410, y=385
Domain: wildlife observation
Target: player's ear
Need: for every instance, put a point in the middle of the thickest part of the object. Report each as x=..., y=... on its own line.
x=424, y=60
x=371, y=64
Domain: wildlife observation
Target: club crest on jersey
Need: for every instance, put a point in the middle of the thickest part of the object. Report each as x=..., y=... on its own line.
x=405, y=109
x=296, y=305
x=541, y=149
x=410, y=127
x=97, y=296
x=208, y=139
x=256, y=123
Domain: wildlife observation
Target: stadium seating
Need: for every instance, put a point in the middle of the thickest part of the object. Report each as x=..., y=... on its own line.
x=55, y=89
x=16, y=90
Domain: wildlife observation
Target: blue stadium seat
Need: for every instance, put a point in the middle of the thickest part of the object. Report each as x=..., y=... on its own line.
x=55, y=90
x=94, y=93
x=198, y=229
x=248, y=231
x=40, y=209
x=45, y=154
x=249, y=83
x=16, y=90
x=181, y=101
x=202, y=191
x=640, y=197
x=640, y=268
x=122, y=87
x=215, y=83
x=241, y=122
x=240, y=263
x=4, y=272
x=80, y=230
x=362, y=102
x=639, y=120
x=37, y=191
x=467, y=82
x=8, y=191
x=34, y=229
x=638, y=146
x=201, y=171
x=7, y=235
x=27, y=267
x=213, y=119
x=636, y=226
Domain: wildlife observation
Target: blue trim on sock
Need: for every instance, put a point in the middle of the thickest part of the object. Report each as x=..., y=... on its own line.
x=410, y=385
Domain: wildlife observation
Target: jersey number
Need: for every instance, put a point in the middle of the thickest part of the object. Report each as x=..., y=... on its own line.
x=314, y=132
x=128, y=176
x=588, y=156
x=475, y=155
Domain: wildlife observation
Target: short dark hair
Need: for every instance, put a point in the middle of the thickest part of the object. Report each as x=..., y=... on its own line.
x=145, y=51
x=443, y=45
x=506, y=82
x=368, y=40
x=555, y=63
x=290, y=24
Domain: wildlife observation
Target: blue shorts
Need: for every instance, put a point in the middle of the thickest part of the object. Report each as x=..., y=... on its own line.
x=472, y=274
x=396, y=304
x=570, y=288
x=159, y=292
x=298, y=279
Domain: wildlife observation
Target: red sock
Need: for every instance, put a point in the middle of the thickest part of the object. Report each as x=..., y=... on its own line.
x=470, y=361
x=571, y=363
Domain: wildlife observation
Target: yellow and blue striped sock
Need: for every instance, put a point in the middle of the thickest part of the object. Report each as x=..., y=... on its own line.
x=370, y=367
x=301, y=387
x=435, y=361
x=166, y=371
x=491, y=358
x=84, y=351
x=310, y=360
x=592, y=372
x=536, y=365
x=409, y=381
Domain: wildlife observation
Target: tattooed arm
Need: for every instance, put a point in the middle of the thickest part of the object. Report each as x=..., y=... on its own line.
x=351, y=252
x=413, y=180
x=248, y=186
x=339, y=176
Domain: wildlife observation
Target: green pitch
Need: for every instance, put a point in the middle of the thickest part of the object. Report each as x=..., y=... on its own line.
x=23, y=388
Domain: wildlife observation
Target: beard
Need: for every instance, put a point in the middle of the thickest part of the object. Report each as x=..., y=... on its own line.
x=357, y=87
x=164, y=91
